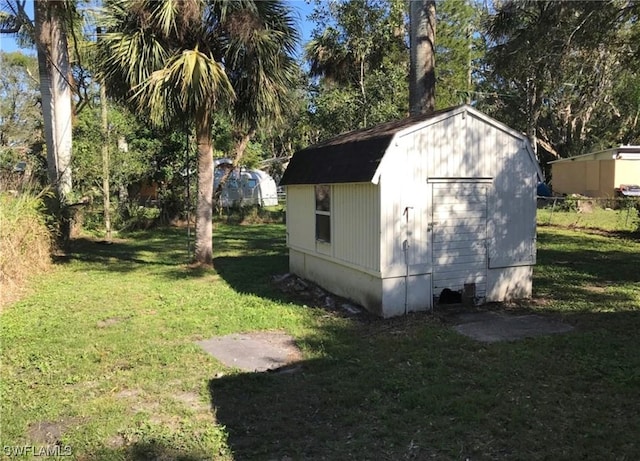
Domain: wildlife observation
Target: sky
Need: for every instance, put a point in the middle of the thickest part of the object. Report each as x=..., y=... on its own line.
x=301, y=8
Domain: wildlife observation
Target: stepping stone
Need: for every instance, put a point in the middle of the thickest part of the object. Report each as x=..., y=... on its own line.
x=492, y=327
x=253, y=351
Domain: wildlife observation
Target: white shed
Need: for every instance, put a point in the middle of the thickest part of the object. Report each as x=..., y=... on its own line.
x=392, y=215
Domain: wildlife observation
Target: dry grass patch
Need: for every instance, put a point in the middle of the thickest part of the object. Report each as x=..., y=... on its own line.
x=25, y=243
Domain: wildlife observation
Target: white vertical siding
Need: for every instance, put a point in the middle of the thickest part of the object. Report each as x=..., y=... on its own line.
x=508, y=283
x=356, y=224
x=301, y=220
x=482, y=147
x=392, y=226
x=460, y=146
x=416, y=196
x=470, y=147
x=405, y=211
x=512, y=227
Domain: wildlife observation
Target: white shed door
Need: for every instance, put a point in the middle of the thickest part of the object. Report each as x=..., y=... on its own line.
x=459, y=236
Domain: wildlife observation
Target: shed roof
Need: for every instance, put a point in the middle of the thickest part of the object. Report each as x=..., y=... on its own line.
x=615, y=153
x=349, y=157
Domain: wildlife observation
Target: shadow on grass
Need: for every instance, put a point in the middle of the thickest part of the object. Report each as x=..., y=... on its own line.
x=401, y=389
x=351, y=404
x=588, y=275
x=619, y=234
x=147, y=451
x=232, y=240
x=247, y=258
x=414, y=389
x=163, y=246
x=169, y=247
x=253, y=274
x=600, y=260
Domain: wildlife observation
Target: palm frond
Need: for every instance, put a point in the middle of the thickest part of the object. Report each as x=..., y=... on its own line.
x=132, y=58
x=329, y=57
x=9, y=23
x=164, y=14
x=200, y=82
x=14, y=21
x=259, y=54
x=169, y=55
x=131, y=49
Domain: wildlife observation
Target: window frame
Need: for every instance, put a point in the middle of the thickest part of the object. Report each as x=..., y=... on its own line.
x=323, y=211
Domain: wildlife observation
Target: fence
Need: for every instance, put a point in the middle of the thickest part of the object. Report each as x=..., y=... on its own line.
x=604, y=213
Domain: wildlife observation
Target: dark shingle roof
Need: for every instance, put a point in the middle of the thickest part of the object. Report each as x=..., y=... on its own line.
x=349, y=157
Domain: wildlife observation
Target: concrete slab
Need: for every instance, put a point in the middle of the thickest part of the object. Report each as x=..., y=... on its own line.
x=253, y=351
x=472, y=317
x=490, y=327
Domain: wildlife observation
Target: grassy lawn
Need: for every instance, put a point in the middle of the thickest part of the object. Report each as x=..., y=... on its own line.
x=623, y=219
x=100, y=358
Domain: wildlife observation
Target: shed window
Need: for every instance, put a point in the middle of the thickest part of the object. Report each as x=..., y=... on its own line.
x=323, y=213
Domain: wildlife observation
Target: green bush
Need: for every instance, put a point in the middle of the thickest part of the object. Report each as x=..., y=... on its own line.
x=137, y=217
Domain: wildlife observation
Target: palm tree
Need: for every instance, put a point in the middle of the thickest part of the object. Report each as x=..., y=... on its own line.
x=184, y=60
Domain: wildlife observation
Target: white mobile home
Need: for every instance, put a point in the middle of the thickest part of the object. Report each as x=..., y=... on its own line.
x=392, y=215
x=244, y=187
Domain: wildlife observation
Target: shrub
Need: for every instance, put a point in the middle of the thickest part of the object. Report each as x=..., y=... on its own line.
x=253, y=215
x=137, y=217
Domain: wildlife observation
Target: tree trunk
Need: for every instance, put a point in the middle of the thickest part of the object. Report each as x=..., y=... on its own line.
x=204, y=206
x=106, y=167
x=53, y=68
x=106, y=193
x=422, y=75
x=240, y=147
x=534, y=109
x=363, y=93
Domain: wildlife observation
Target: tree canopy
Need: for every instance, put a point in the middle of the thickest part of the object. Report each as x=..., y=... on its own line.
x=183, y=61
x=20, y=116
x=222, y=76
x=566, y=72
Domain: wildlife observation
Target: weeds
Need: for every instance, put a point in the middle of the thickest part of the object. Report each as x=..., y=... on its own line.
x=25, y=242
x=591, y=215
